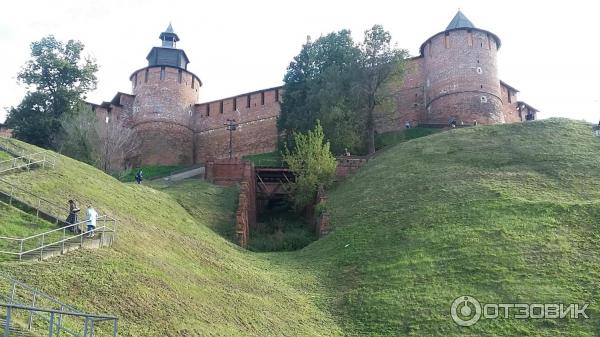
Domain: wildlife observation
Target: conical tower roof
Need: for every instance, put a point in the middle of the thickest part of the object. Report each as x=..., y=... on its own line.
x=460, y=21
x=169, y=34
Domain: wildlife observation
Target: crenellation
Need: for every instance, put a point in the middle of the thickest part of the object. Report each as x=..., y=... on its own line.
x=455, y=77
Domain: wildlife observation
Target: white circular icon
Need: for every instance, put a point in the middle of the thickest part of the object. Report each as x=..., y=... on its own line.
x=469, y=312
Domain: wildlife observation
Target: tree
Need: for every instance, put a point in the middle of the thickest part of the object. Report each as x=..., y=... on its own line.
x=105, y=143
x=57, y=78
x=312, y=163
x=318, y=85
x=80, y=136
x=117, y=143
x=380, y=64
x=343, y=84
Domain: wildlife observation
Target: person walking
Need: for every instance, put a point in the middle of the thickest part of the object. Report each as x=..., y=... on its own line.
x=139, y=176
x=92, y=216
x=72, y=218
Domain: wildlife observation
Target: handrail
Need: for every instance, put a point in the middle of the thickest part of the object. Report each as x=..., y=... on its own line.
x=65, y=239
x=98, y=317
x=103, y=229
x=13, y=187
x=38, y=294
x=26, y=162
x=44, y=312
x=63, y=210
x=56, y=325
x=26, y=156
x=63, y=228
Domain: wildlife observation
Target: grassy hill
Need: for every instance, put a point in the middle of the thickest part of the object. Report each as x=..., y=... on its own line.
x=505, y=213
x=168, y=274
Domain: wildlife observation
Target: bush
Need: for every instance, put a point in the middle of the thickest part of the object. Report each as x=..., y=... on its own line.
x=313, y=165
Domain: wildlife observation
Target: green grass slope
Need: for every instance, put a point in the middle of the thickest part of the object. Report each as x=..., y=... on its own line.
x=168, y=274
x=18, y=224
x=506, y=213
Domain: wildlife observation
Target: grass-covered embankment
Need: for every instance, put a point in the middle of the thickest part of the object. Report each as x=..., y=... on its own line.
x=168, y=273
x=505, y=213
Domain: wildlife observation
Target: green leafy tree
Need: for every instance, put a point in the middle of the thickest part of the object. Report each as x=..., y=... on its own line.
x=318, y=85
x=313, y=165
x=380, y=64
x=57, y=77
x=343, y=84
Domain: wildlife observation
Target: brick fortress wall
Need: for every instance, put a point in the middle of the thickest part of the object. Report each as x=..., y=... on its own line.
x=256, y=114
x=462, y=77
x=454, y=77
x=162, y=113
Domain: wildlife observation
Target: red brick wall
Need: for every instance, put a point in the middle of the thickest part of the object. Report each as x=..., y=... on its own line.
x=455, y=77
x=162, y=112
x=165, y=143
x=349, y=165
x=228, y=172
x=509, y=106
x=256, y=131
x=408, y=99
x=462, y=77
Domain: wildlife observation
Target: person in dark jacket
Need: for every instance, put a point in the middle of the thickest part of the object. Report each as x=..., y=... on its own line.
x=72, y=218
x=139, y=177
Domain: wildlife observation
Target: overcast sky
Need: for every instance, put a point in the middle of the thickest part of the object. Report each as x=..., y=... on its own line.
x=549, y=49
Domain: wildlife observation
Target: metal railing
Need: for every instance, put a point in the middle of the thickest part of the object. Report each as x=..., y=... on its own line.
x=17, y=196
x=32, y=310
x=59, y=238
x=41, y=158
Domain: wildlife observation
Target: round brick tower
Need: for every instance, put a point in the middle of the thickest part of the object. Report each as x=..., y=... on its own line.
x=165, y=93
x=461, y=74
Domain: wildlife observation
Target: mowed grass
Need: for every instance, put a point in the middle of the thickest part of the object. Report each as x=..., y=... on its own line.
x=505, y=213
x=169, y=273
x=148, y=172
x=387, y=139
x=4, y=156
x=266, y=159
x=17, y=224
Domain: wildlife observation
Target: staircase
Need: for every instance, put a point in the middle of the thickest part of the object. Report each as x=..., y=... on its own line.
x=55, y=242
x=29, y=312
x=23, y=160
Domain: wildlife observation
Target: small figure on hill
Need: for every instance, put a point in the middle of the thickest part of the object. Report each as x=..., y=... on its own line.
x=72, y=218
x=346, y=152
x=92, y=216
x=407, y=124
x=139, y=176
x=474, y=122
x=453, y=123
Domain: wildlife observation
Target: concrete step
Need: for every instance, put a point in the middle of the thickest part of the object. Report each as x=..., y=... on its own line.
x=68, y=246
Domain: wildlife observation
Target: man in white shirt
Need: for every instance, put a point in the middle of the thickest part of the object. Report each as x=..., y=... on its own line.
x=92, y=215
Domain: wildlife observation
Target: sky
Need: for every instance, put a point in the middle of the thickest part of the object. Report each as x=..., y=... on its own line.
x=550, y=50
